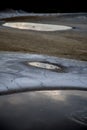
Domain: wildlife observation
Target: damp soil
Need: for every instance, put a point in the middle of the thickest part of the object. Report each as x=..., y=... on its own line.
x=67, y=44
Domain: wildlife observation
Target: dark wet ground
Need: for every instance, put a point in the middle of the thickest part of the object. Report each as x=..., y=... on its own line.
x=44, y=110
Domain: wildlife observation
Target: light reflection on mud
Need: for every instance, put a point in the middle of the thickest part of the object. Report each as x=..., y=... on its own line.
x=45, y=65
x=36, y=26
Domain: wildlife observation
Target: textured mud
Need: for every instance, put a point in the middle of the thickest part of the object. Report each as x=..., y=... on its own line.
x=16, y=75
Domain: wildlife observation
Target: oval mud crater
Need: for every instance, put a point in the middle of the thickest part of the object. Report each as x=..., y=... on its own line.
x=46, y=65
x=36, y=26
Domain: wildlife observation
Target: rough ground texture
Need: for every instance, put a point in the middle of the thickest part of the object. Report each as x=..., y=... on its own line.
x=16, y=75
x=69, y=43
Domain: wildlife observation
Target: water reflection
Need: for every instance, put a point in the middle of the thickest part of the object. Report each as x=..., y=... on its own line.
x=53, y=95
x=36, y=26
x=23, y=99
x=43, y=109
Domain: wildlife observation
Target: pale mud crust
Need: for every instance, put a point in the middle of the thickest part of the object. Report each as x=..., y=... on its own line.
x=17, y=76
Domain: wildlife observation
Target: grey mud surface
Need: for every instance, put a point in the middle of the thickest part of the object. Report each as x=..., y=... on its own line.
x=16, y=75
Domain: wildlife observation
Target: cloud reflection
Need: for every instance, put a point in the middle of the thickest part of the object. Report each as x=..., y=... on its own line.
x=36, y=96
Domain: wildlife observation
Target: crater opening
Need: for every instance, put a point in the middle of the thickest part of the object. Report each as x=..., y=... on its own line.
x=48, y=66
x=36, y=26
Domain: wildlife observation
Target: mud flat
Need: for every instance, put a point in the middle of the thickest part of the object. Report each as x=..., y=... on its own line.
x=70, y=43
x=17, y=75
